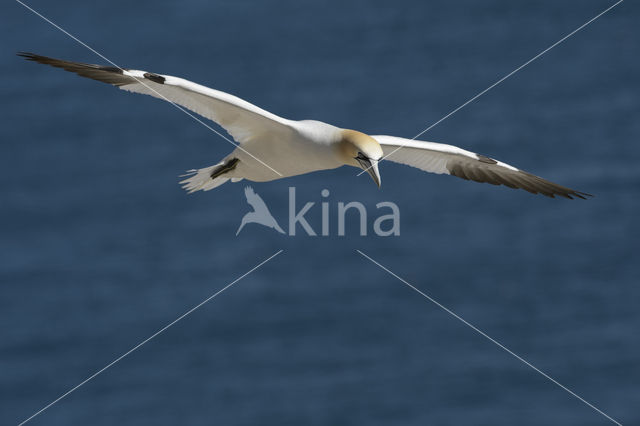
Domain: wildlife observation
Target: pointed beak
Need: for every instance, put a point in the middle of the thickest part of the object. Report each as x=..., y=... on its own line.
x=371, y=167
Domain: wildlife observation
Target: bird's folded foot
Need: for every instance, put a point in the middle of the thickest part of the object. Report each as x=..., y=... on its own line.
x=209, y=177
x=224, y=168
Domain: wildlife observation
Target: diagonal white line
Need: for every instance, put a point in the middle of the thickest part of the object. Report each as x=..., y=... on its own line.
x=149, y=87
x=136, y=347
x=501, y=80
x=485, y=335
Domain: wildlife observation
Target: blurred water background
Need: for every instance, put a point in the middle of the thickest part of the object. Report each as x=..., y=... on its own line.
x=100, y=247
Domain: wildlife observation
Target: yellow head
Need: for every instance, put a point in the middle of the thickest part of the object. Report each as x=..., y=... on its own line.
x=360, y=150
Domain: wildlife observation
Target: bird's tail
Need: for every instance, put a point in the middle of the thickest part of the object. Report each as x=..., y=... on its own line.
x=201, y=179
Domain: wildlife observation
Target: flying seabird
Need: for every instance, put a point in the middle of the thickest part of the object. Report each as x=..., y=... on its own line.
x=271, y=147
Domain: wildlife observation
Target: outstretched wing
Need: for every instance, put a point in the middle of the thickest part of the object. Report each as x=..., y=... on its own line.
x=243, y=121
x=448, y=159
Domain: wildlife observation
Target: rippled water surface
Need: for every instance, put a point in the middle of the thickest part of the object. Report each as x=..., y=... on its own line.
x=100, y=247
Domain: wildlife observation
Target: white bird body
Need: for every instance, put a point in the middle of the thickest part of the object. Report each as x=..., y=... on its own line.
x=309, y=145
x=271, y=147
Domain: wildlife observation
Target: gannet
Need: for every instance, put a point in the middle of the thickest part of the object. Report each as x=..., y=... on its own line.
x=271, y=147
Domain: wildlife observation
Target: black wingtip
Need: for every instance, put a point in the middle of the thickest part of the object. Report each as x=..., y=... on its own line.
x=27, y=55
x=33, y=57
x=582, y=195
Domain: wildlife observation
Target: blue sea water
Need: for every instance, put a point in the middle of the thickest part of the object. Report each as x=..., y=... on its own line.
x=100, y=247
